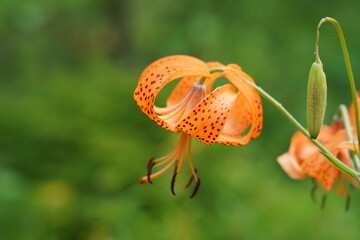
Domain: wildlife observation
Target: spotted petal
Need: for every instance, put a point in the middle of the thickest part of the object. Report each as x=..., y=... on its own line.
x=246, y=111
x=300, y=149
x=171, y=60
x=320, y=168
x=157, y=76
x=208, y=118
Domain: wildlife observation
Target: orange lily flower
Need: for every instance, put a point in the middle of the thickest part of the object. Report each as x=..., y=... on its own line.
x=304, y=159
x=222, y=115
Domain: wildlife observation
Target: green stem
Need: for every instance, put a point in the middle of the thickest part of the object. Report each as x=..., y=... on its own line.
x=344, y=115
x=340, y=165
x=347, y=63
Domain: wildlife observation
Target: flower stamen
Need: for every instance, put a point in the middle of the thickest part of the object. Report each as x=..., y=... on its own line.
x=193, y=170
x=175, y=113
x=167, y=110
x=173, y=182
x=149, y=169
x=164, y=159
x=191, y=179
x=196, y=188
x=314, y=188
x=347, y=204
x=324, y=198
x=176, y=156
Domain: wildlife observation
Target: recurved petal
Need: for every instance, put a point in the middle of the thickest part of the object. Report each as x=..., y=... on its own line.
x=240, y=117
x=253, y=97
x=343, y=155
x=327, y=133
x=153, y=81
x=245, y=113
x=353, y=146
x=301, y=147
x=171, y=60
x=290, y=165
x=215, y=65
x=208, y=118
x=320, y=168
x=243, y=75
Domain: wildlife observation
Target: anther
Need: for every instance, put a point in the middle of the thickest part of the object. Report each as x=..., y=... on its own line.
x=323, y=202
x=313, y=190
x=149, y=169
x=196, y=188
x=347, y=205
x=173, y=183
x=191, y=179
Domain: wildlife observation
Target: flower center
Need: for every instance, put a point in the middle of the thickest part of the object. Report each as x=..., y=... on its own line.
x=175, y=113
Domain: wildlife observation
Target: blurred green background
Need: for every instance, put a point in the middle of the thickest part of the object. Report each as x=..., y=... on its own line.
x=73, y=142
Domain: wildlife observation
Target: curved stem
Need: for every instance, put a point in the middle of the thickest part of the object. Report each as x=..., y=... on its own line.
x=340, y=165
x=213, y=70
x=347, y=63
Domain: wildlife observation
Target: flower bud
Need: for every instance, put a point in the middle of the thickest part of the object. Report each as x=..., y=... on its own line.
x=316, y=98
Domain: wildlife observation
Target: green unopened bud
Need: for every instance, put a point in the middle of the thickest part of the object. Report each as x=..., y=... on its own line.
x=316, y=98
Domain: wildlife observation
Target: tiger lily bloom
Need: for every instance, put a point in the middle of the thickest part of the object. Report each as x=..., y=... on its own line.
x=304, y=159
x=230, y=114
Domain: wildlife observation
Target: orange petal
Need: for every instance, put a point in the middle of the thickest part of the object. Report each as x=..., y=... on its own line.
x=240, y=117
x=242, y=75
x=349, y=145
x=207, y=119
x=342, y=189
x=171, y=60
x=253, y=98
x=327, y=133
x=290, y=165
x=246, y=111
x=215, y=65
x=320, y=168
x=153, y=81
x=343, y=155
x=301, y=147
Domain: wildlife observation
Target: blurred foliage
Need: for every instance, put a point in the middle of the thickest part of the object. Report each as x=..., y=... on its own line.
x=73, y=142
